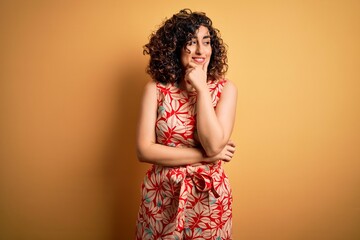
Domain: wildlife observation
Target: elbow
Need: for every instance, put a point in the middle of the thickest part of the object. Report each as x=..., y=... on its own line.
x=144, y=153
x=140, y=153
x=213, y=148
x=212, y=151
x=140, y=157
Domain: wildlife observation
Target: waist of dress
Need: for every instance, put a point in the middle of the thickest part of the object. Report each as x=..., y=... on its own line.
x=202, y=175
x=206, y=168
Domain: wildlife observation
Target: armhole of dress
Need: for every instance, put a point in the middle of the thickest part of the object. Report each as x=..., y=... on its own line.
x=222, y=82
x=157, y=93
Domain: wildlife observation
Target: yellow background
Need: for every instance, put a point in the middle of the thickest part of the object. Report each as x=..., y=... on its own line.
x=71, y=78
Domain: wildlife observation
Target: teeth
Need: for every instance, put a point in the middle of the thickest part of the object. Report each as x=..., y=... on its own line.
x=199, y=59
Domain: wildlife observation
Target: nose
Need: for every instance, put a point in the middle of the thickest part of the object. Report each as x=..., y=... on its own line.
x=199, y=49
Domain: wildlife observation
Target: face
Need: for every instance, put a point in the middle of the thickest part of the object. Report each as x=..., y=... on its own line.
x=198, y=50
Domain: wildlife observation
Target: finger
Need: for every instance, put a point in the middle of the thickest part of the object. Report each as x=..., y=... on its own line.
x=232, y=147
x=191, y=65
x=189, y=68
x=226, y=160
x=231, y=143
x=229, y=154
x=232, y=150
x=188, y=71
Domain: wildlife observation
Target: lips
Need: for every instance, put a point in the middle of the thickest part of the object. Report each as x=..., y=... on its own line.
x=198, y=59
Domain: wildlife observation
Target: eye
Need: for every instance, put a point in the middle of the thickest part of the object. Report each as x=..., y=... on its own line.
x=192, y=43
x=207, y=43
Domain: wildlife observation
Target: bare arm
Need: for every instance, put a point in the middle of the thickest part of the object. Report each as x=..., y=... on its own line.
x=151, y=152
x=220, y=121
x=214, y=126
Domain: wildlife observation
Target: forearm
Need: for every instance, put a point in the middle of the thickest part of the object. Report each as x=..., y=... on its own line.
x=210, y=131
x=159, y=154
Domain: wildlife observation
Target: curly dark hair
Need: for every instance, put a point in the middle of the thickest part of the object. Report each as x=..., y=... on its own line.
x=165, y=46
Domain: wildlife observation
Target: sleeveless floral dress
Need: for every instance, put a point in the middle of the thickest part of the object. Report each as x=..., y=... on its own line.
x=187, y=202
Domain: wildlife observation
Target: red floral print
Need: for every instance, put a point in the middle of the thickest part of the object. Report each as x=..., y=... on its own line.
x=187, y=202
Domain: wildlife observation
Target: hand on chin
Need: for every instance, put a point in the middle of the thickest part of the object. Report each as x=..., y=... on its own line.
x=189, y=87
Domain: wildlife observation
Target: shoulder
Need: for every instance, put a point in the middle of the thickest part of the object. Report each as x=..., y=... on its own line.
x=150, y=85
x=150, y=90
x=229, y=85
x=229, y=89
x=153, y=86
x=159, y=90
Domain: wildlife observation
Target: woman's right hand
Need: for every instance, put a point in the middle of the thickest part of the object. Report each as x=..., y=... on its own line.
x=225, y=155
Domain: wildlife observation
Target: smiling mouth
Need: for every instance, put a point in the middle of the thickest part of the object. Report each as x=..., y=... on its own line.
x=198, y=59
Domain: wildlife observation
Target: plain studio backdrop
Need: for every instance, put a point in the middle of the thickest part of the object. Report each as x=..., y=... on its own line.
x=71, y=78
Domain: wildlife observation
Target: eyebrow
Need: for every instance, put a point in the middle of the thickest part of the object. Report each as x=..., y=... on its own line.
x=205, y=37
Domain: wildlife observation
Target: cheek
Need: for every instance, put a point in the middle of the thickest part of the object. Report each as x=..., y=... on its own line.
x=209, y=52
x=184, y=57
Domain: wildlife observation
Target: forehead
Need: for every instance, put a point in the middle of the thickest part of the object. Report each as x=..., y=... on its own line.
x=202, y=32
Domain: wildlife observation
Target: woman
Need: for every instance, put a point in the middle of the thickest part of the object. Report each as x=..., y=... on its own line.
x=186, y=119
